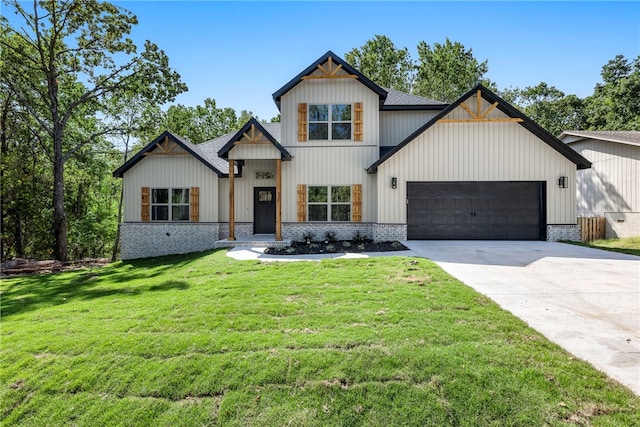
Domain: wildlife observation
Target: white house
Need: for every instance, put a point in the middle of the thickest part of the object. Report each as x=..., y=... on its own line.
x=611, y=188
x=350, y=156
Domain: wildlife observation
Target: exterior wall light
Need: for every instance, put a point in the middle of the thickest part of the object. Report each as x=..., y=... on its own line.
x=563, y=182
x=394, y=183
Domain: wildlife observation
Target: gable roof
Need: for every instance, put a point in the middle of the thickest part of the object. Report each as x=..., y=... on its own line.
x=224, y=151
x=401, y=101
x=277, y=95
x=507, y=109
x=631, y=137
x=192, y=149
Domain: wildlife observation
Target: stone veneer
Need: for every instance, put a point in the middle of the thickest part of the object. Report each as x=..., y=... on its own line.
x=389, y=232
x=144, y=240
x=343, y=230
x=557, y=232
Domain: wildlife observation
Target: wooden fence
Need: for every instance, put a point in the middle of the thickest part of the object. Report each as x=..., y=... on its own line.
x=592, y=228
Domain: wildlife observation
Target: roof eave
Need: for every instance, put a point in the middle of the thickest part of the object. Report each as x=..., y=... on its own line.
x=223, y=153
x=119, y=173
x=277, y=95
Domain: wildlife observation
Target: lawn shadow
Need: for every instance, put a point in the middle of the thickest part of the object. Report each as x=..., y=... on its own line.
x=46, y=290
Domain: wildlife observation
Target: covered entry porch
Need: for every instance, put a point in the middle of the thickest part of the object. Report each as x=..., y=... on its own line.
x=255, y=180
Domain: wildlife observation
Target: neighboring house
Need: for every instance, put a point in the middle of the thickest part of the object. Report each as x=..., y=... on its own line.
x=611, y=188
x=350, y=156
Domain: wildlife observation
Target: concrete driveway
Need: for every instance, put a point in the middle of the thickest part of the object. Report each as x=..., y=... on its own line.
x=585, y=300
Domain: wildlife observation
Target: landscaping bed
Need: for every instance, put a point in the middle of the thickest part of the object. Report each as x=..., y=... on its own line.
x=337, y=246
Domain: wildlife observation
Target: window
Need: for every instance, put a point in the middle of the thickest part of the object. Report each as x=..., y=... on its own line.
x=265, y=175
x=329, y=203
x=330, y=122
x=170, y=204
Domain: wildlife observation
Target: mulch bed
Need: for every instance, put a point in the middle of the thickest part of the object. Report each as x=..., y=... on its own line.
x=20, y=267
x=339, y=246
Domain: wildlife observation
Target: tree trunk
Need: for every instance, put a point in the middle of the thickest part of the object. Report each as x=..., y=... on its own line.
x=114, y=254
x=59, y=215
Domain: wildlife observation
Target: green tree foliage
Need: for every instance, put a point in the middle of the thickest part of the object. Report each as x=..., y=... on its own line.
x=196, y=124
x=548, y=106
x=446, y=71
x=615, y=103
x=383, y=63
x=61, y=64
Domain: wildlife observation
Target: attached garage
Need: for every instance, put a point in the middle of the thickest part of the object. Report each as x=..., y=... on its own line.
x=489, y=210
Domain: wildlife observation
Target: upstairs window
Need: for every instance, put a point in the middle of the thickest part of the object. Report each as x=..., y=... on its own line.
x=170, y=204
x=330, y=121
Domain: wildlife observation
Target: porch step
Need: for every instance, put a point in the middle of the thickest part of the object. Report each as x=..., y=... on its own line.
x=259, y=241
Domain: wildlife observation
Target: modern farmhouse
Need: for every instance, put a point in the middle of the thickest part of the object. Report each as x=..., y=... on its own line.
x=350, y=156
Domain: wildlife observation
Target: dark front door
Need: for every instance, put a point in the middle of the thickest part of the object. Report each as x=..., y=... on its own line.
x=264, y=210
x=475, y=211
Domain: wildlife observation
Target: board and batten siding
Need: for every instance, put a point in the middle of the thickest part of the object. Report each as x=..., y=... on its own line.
x=477, y=152
x=254, y=151
x=329, y=91
x=613, y=182
x=395, y=126
x=170, y=171
x=331, y=166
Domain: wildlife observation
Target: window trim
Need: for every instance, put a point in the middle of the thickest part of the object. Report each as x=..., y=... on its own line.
x=170, y=205
x=330, y=122
x=329, y=204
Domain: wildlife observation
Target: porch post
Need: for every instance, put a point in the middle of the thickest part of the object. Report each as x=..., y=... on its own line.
x=278, y=199
x=232, y=221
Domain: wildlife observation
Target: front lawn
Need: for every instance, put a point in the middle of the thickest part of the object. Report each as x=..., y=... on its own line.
x=206, y=340
x=628, y=245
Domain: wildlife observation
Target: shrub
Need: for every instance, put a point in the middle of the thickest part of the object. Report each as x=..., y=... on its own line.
x=358, y=237
x=330, y=236
x=330, y=248
x=346, y=244
x=308, y=237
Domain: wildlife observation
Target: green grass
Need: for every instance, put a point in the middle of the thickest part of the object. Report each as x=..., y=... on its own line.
x=206, y=340
x=629, y=245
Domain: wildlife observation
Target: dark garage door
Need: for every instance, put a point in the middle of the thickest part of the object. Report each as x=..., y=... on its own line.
x=476, y=211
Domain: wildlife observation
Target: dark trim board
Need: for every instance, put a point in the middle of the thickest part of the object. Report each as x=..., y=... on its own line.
x=476, y=210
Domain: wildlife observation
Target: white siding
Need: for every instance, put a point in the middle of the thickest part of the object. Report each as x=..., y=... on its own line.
x=477, y=152
x=170, y=171
x=613, y=182
x=329, y=91
x=330, y=166
x=395, y=126
x=254, y=151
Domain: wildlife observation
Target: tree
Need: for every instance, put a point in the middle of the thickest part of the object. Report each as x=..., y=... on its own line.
x=383, y=63
x=446, y=71
x=615, y=103
x=548, y=107
x=62, y=64
x=198, y=124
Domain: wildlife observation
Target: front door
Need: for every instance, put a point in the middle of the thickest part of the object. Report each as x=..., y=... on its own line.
x=264, y=210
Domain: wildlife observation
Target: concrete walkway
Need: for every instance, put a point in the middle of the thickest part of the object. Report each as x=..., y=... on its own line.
x=585, y=300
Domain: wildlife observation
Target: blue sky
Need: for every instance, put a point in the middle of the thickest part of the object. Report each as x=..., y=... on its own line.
x=239, y=53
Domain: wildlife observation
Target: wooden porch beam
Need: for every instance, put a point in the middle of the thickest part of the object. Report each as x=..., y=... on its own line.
x=232, y=222
x=278, y=199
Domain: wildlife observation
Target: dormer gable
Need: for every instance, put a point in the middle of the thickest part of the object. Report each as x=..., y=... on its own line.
x=330, y=66
x=255, y=135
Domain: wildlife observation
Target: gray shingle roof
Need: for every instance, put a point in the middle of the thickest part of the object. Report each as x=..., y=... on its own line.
x=395, y=97
x=622, y=136
x=209, y=149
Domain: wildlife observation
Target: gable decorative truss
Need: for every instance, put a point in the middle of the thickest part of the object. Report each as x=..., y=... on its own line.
x=253, y=133
x=166, y=147
x=330, y=70
x=480, y=115
x=330, y=66
x=166, y=144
